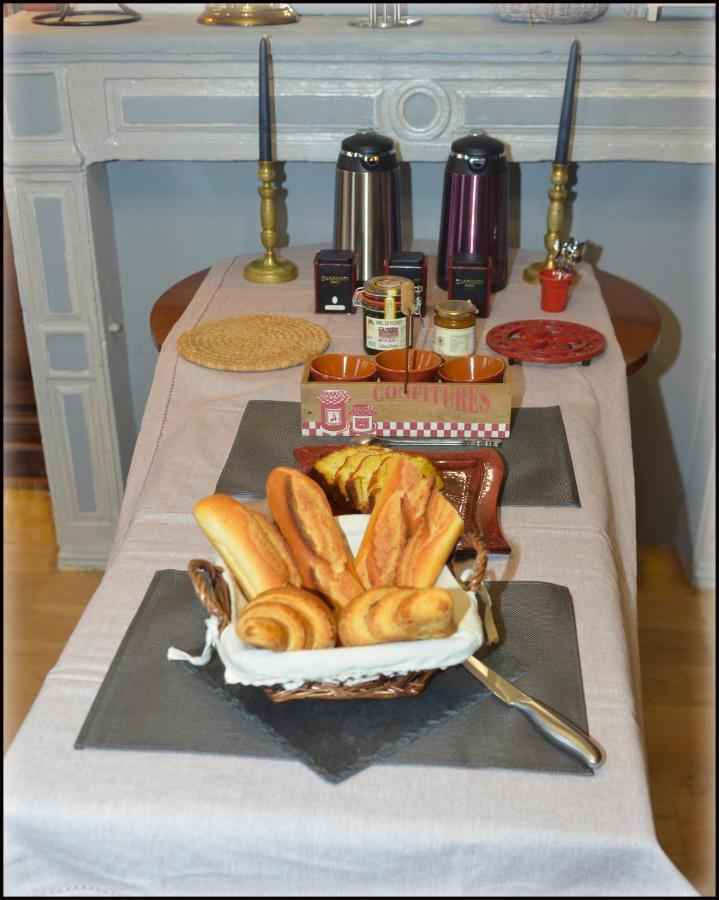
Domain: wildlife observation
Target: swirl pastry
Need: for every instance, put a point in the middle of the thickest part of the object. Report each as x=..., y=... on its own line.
x=396, y=614
x=318, y=545
x=250, y=545
x=287, y=618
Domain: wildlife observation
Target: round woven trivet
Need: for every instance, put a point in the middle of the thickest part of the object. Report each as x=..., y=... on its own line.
x=253, y=343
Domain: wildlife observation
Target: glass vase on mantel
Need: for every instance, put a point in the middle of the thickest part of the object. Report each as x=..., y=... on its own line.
x=248, y=14
x=385, y=15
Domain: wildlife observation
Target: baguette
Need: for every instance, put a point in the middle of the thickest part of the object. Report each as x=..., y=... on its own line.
x=429, y=547
x=411, y=531
x=251, y=547
x=396, y=515
x=303, y=515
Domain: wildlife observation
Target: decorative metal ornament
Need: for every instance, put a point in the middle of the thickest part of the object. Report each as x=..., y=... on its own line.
x=66, y=16
x=248, y=14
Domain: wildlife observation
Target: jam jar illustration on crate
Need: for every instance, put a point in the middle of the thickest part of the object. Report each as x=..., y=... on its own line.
x=362, y=419
x=333, y=411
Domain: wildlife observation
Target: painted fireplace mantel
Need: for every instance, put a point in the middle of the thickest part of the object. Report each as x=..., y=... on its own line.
x=167, y=88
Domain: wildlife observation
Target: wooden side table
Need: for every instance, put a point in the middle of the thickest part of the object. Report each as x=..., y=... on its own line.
x=635, y=319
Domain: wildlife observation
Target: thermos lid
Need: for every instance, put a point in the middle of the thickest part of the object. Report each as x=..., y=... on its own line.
x=367, y=151
x=477, y=153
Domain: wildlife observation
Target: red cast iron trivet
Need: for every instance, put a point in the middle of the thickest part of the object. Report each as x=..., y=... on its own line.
x=546, y=341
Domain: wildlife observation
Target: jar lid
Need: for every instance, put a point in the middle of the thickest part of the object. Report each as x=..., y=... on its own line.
x=379, y=286
x=455, y=309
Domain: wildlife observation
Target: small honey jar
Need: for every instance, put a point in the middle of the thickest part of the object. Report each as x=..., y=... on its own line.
x=384, y=324
x=454, y=322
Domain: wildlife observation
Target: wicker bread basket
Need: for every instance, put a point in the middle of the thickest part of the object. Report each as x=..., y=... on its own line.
x=212, y=591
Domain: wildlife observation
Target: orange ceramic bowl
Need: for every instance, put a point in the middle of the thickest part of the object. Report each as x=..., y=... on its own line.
x=342, y=367
x=423, y=365
x=472, y=369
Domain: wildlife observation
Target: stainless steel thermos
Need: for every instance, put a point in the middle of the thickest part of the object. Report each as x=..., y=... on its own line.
x=367, y=201
x=474, y=206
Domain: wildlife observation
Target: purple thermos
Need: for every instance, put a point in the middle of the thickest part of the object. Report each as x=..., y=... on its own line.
x=474, y=205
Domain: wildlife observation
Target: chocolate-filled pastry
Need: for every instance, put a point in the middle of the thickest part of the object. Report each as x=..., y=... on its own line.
x=250, y=545
x=396, y=614
x=318, y=545
x=287, y=618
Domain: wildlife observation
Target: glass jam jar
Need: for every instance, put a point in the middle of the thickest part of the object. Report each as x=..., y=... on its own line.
x=384, y=325
x=454, y=328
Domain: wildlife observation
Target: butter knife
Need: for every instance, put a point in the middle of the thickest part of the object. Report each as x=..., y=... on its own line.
x=558, y=729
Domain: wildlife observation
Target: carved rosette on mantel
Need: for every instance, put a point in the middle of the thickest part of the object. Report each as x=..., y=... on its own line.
x=419, y=110
x=76, y=98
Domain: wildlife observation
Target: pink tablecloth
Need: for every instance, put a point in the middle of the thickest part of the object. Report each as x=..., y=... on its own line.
x=157, y=824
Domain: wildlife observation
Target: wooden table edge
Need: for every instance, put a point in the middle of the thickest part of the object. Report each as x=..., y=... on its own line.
x=635, y=319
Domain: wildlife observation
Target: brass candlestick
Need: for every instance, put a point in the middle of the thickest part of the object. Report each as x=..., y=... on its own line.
x=555, y=215
x=269, y=269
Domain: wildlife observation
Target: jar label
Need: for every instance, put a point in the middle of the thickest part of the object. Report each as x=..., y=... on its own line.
x=453, y=341
x=385, y=334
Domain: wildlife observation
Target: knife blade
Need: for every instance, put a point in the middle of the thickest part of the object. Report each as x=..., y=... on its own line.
x=561, y=731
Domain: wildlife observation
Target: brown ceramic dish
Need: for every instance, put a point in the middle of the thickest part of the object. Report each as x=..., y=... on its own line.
x=473, y=369
x=423, y=365
x=342, y=367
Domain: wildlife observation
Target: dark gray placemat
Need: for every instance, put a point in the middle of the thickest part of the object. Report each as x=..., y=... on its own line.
x=149, y=703
x=539, y=464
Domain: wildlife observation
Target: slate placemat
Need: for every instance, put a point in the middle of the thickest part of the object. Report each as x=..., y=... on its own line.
x=147, y=702
x=539, y=464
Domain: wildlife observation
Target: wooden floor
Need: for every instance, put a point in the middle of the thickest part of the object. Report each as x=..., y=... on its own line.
x=676, y=631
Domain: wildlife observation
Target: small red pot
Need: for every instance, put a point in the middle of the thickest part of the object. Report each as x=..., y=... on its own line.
x=555, y=291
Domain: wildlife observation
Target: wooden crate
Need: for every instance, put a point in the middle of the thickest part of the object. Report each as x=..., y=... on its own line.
x=428, y=410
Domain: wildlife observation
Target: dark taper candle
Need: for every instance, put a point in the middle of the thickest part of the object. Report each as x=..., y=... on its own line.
x=265, y=117
x=561, y=154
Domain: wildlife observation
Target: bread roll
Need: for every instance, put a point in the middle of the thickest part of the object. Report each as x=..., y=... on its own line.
x=287, y=618
x=252, y=548
x=303, y=515
x=396, y=614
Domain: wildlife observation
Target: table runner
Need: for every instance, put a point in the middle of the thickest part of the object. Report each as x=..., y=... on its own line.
x=149, y=703
x=539, y=464
x=154, y=824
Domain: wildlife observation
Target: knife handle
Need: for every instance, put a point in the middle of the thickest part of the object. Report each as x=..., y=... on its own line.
x=562, y=732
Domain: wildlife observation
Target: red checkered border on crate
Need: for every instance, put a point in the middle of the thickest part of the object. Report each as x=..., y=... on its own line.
x=422, y=429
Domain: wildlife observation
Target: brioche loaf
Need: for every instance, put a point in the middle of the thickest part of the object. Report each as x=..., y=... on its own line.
x=303, y=515
x=287, y=618
x=252, y=548
x=396, y=614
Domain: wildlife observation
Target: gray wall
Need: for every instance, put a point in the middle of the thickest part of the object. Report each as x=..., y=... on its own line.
x=651, y=223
